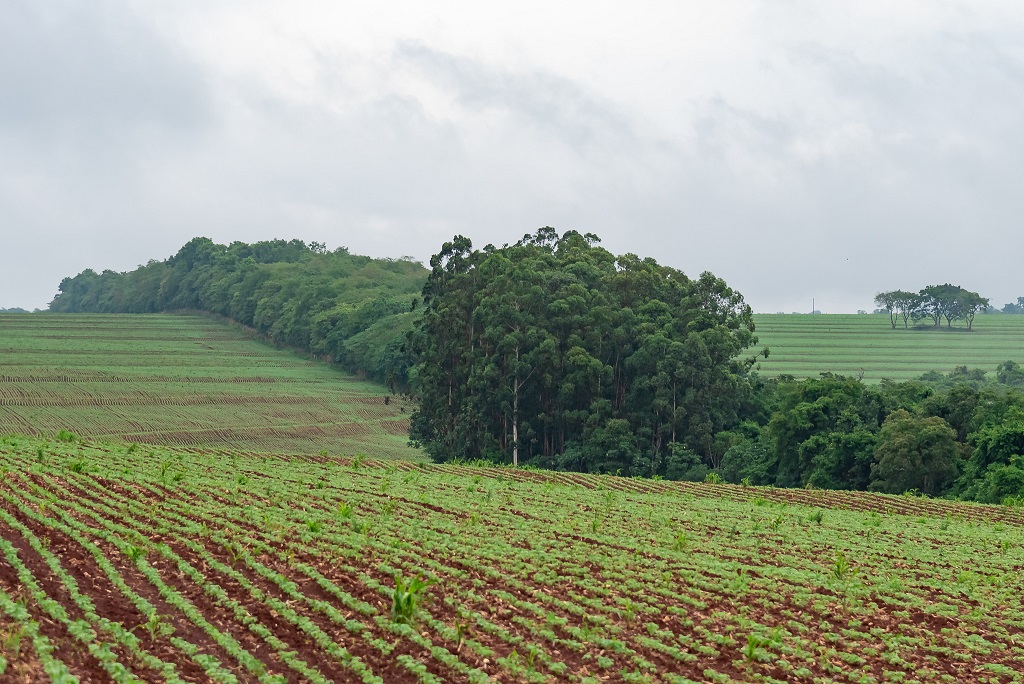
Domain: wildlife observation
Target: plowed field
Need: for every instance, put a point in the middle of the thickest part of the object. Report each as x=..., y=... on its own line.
x=125, y=562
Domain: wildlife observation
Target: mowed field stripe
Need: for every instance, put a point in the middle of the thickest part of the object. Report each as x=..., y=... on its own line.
x=866, y=345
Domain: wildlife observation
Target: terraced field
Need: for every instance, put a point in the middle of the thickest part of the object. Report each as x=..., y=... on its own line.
x=120, y=562
x=855, y=344
x=187, y=381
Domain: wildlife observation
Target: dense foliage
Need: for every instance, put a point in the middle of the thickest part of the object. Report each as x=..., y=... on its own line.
x=353, y=309
x=956, y=435
x=557, y=353
x=555, y=350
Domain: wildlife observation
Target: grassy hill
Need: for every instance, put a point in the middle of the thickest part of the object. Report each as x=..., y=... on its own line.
x=185, y=380
x=158, y=563
x=804, y=345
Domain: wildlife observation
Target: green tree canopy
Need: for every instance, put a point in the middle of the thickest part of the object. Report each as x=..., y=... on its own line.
x=555, y=350
x=914, y=453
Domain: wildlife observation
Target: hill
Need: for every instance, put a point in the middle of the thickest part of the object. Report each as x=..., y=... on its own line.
x=805, y=345
x=185, y=380
x=159, y=563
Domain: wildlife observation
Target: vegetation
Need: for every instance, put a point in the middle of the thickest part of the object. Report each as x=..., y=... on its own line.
x=301, y=572
x=1014, y=307
x=351, y=309
x=862, y=346
x=937, y=302
x=185, y=380
x=555, y=353
x=556, y=350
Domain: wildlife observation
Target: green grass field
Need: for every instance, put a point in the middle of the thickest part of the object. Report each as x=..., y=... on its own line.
x=120, y=562
x=803, y=345
x=185, y=380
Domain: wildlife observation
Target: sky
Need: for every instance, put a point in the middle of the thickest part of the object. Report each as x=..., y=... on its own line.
x=796, y=149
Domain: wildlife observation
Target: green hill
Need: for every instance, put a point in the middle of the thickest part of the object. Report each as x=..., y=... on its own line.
x=185, y=380
x=805, y=345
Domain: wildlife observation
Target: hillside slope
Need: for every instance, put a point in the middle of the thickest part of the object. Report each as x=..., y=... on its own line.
x=185, y=380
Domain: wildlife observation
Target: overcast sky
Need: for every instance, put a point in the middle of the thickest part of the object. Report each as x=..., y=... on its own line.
x=795, y=149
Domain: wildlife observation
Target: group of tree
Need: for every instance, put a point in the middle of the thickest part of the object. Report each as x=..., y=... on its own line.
x=353, y=309
x=960, y=435
x=939, y=303
x=1014, y=308
x=555, y=351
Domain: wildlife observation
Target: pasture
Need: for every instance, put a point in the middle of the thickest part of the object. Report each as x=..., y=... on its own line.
x=185, y=380
x=126, y=562
x=805, y=345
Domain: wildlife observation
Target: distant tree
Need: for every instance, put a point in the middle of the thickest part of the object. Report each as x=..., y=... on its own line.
x=1017, y=308
x=907, y=304
x=886, y=301
x=968, y=304
x=952, y=303
x=899, y=304
x=914, y=453
x=1010, y=373
x=938, y=302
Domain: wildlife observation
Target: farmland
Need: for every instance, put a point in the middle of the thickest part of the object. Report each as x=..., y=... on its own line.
x=188, y=381
x=852, y=344
x=160, y=563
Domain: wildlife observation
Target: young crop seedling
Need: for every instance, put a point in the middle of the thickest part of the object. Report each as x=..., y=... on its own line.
x=406, y=598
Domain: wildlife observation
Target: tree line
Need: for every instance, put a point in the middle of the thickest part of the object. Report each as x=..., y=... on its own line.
x=554, y=352
x=353, y=310
x=939, y=303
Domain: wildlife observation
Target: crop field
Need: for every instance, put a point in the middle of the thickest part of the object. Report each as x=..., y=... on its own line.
x=125, y=562
x=186, y=381
x=856, y=344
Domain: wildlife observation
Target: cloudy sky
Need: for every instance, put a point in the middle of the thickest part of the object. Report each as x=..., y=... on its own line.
x=796, y=149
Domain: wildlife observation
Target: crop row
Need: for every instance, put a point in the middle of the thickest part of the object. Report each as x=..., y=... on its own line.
x=342, y=569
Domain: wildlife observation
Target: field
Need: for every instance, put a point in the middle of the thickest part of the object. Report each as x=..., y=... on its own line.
x=123, y=562
x=186, y=381
x=852, y=344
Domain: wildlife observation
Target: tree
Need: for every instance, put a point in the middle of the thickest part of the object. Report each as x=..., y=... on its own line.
x=914, y=453
x=939, y=301
x=968, y=304
x=899, y=304
x=556, y=352
x=887, y=301
x=1017, y=308
x=951, y=302
x=908, y=304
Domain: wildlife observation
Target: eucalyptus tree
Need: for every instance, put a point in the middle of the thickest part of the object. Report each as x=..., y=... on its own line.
x=553, y=349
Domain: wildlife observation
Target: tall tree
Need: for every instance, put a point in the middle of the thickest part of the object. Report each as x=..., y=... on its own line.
x=568, y=355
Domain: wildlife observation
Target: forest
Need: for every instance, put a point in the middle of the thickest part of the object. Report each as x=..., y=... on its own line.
x=555, y=353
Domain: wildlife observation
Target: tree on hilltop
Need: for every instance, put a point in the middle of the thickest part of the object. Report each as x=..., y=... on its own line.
x=899, y=304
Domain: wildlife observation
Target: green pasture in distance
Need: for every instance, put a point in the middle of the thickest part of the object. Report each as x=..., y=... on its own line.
x=804, y=345
x=186, y=380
